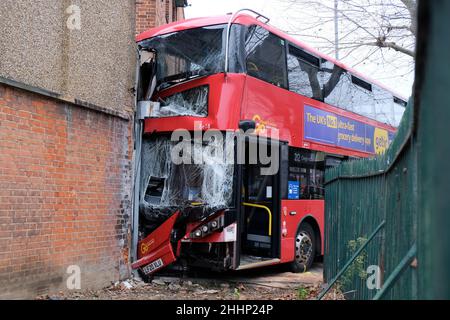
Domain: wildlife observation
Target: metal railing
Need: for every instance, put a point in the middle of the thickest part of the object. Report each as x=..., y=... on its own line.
x=259, y=206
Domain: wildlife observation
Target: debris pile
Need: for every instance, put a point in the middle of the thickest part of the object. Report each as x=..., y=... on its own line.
x=267, y=285
x=166, y=288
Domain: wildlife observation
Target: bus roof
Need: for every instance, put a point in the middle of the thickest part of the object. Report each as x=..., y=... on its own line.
x=245, y=19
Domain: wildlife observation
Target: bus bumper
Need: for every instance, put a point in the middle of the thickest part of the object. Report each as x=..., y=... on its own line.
x=156, y=251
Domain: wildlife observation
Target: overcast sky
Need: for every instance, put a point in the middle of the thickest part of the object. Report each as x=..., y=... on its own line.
x=399, y=78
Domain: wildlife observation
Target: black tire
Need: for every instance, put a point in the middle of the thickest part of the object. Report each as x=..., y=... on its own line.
x=144, y=277
x=305, y=248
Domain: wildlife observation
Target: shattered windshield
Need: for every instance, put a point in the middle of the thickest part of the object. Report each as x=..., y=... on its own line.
x=187, y=54
x=192, y=53
x=206, y=181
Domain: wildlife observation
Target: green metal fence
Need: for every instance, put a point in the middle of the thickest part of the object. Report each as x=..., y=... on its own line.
x=388, y=212
x=373, y=197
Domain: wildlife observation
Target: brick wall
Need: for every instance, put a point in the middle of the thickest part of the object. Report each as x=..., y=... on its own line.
x=153, y=13
x=65, y=190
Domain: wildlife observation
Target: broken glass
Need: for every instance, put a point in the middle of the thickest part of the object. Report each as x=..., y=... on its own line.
x=206, y=181
x=191, y=53
x=192, y=102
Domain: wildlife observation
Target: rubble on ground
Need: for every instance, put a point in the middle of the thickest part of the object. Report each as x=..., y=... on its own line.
x=175, y=288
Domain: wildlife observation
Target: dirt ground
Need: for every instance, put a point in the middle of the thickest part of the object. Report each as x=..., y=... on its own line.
x=272, y=283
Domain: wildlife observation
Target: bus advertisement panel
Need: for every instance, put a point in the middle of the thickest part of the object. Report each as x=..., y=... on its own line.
x=329, y=128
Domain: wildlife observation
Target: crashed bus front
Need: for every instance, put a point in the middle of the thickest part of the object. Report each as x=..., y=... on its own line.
x=187, y=203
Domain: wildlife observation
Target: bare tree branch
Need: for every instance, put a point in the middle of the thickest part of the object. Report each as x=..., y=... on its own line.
x=384, y=44
x=385, y=24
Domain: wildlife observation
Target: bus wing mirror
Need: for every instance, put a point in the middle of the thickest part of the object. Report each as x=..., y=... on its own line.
x=246, y=125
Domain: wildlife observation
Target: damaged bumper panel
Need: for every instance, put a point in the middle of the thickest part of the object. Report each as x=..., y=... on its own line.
x=162, y=247
x=162, y=257
x=156, y=251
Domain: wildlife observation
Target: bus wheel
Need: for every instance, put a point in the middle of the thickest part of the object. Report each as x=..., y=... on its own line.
x=144, y=277
x=305, y=248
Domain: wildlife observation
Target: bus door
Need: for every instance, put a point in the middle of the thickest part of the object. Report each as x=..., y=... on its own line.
x=260, y=209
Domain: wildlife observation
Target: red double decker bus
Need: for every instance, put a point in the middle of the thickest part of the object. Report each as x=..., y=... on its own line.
x=231, y=73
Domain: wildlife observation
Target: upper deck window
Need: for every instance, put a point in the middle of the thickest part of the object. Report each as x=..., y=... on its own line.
x=266, y=56
x=302, y=73
x=192, y=53
x=324, y=81
x=354, y=94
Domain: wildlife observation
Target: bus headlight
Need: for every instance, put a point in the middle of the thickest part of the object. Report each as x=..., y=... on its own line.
x=208, y=228
x=198, y=233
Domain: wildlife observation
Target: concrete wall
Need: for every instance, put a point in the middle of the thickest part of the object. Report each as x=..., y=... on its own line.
x=93, y=64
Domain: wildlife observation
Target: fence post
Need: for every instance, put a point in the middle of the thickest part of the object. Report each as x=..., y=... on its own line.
x=432, y=95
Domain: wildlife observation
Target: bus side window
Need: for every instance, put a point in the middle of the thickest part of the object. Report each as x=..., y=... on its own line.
x=266, y=56
x=306, y=174
x=350, y=92
x=303, y=73
x=353, y=94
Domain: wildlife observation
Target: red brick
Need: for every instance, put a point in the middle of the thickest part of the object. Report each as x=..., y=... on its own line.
x=53, y=175
x=153, y=13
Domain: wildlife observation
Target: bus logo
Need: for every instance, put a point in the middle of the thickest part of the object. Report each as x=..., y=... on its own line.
x=262, y=125
x=381, y=140
x=145, y=246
